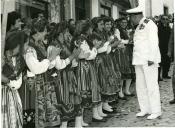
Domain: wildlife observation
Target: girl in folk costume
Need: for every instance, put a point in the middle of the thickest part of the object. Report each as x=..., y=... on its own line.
x=68, y=95
x=39, y=65
x=11, y=76
x=98, y=26
x=86, y=75
x=12, y=71
x=108, y=78
x=123, y=55
x=113, y=43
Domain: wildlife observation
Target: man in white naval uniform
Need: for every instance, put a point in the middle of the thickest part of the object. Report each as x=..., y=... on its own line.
x=146, y=59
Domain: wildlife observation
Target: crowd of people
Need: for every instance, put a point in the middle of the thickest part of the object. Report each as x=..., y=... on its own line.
x=52, y=72
x=165, y=24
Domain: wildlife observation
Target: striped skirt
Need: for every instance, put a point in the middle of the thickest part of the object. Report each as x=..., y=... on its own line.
x=87, y=83
x=108, y=78
x=11, y=108
x=122, y=57
x=47, y=111
x=68, y=95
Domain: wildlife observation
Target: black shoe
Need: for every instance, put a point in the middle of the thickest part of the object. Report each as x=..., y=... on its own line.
x=160, y=79
x=122, y=98
x=167, y=77
x=130, y=94
x=108, y=116
x=172, y=101
x=97, y=120
x=114, y=107
x=115, y=111
x=107, y=112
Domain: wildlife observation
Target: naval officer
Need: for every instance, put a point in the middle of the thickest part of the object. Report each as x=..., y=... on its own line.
x=146, y=59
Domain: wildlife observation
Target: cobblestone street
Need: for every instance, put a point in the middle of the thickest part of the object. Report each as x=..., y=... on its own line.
x=127, y=110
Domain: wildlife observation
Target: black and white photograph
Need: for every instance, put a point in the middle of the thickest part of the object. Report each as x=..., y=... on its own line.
x=87, y=63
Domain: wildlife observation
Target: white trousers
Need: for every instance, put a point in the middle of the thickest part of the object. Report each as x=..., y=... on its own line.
x=147, y=88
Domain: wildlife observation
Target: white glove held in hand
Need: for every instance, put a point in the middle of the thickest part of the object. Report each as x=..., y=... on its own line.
x=108, y=49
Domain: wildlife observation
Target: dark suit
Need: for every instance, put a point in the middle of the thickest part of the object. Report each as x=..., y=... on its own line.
x=164, y=36
x=171, y=52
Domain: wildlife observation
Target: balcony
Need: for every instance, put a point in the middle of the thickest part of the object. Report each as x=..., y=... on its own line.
x=124, y=3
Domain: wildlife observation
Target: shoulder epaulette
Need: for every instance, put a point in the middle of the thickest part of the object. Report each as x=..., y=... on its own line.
x=146, y=21
x=30, y=50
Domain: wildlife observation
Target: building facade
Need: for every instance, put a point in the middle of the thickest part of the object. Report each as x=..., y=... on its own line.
x=58, y=10
x=158, y=7
x=87, y=9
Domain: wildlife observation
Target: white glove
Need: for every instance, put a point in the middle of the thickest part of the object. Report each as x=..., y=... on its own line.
x=124, y=41
x=74, y=63
x=121, y=46
x=111, y=37
x=108, y=49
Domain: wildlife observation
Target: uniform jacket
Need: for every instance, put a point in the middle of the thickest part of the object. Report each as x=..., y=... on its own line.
x=146, y=44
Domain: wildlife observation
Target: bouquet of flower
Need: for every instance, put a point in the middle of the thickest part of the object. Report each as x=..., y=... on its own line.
x=29, y=118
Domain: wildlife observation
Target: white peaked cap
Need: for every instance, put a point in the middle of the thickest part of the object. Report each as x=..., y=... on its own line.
x=138, y=9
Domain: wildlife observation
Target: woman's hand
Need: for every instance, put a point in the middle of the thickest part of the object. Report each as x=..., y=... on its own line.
x=4, y=79
x=121, y=46
x=54, y=53
x=111, y=39
x=75, y=54
x=84, y=55
x=108, y=49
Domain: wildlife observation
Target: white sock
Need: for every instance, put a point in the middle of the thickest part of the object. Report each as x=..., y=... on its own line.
x=100, y=112
x=121, y=90
x=95, y=114
x=128, y=84
x=83, y=123
x=78, y=122
x=107, y=107
x=63, y=124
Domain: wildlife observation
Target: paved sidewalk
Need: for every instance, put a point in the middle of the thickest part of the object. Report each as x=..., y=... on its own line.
x=127, y=110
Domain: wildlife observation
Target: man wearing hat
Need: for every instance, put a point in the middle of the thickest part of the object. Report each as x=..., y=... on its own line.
x=146, y=59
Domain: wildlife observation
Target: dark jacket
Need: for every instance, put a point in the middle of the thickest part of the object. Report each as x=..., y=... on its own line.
x=171, y=44
x=164, y=36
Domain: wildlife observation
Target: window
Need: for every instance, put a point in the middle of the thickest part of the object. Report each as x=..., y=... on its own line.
x=105, y=11
x=80, y=10
x=31, y=8
x=165, y=10
x=122, y=14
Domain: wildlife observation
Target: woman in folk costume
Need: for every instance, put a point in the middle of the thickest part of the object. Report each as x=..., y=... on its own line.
x=39, y=65
x=123, y=56
x=109, y=80
x=68, y=96
x=86, y=74
x=11, y=76
x=25, y=91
